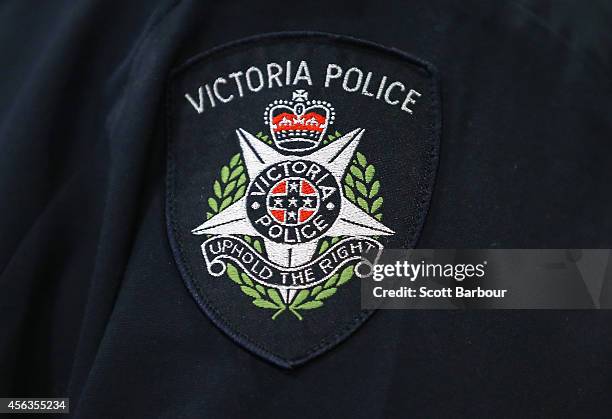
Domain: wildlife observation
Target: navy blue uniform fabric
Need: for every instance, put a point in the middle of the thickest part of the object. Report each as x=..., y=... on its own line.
x=91, y=303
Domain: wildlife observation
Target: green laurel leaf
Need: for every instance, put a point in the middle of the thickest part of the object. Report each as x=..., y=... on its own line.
x=265, y=304
x=316, y=290
x=356, y=172
x=361, y=159
x=377, y=204
x=326, y=294
x=241, y=180
x=348, y=192
x=225, y=174
x=273, y=294
x=246, y=279
x=346, y=275
x=348, y=179
x=362, y=189
x=226, y=202
x=236, y=172
x=363, y=204
x=235, y=160
x=239, y=193
x=331, y=281
x=301, y=296
x=369, y=173
x=250, y=292
x=212, y=203
x=217, y=189
x=229, y=188
x=324, y=246
x=309, y=305
x=233, y=274
x=374, y=189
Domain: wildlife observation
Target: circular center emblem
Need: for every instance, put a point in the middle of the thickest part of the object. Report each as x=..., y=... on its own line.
x=293, y=201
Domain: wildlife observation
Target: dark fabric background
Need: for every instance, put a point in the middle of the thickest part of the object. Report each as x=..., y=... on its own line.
x=92, y=305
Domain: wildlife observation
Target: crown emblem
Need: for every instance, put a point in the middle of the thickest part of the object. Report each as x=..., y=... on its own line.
x=299, y=124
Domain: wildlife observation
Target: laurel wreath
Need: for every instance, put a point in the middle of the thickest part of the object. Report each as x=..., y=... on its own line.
x=361, y=187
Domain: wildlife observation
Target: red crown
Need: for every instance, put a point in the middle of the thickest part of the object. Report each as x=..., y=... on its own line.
x=299, y=124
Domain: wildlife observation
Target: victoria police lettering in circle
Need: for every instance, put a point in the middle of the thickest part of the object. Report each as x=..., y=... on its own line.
x=293, y=201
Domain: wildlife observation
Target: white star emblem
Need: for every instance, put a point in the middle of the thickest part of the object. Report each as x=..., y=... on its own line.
x=292, y=202
x=335, y=157
x=293, y=186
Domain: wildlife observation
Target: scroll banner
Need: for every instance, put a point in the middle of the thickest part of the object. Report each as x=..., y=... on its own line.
x=219, y=250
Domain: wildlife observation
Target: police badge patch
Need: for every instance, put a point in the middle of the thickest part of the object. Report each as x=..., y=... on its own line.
x=289, y=157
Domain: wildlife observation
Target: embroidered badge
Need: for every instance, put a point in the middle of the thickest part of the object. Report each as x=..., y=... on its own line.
x=290, y=157
x=292, y=201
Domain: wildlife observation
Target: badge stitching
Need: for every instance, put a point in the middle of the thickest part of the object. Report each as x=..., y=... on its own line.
x=175, y=236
